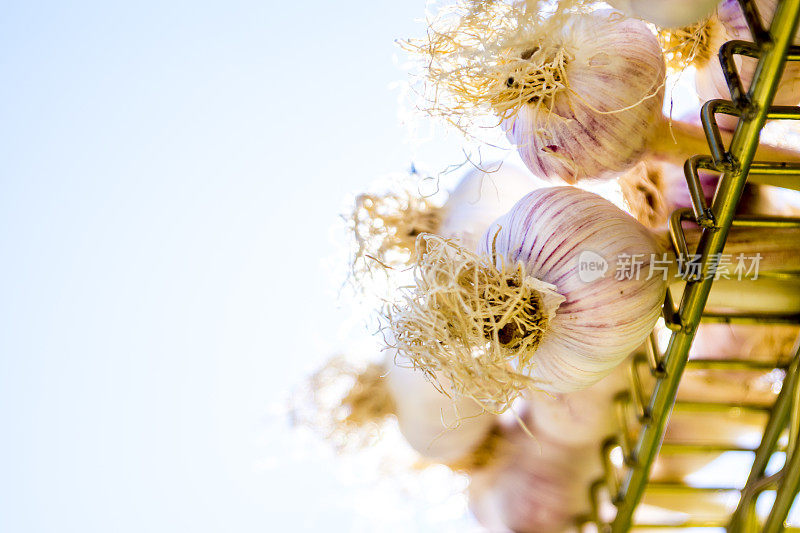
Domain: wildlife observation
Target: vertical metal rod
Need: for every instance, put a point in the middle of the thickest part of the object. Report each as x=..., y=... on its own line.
x=787, y=490
x=742, y=150
x=769, y=443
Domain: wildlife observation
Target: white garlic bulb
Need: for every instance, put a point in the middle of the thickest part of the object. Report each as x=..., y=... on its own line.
x=710, y=80
x=666, y=13
x=562, y=289
x=731, y=16
x=385, y=225
x=602, y=120
x=536, y=485
x=440, y=428
x=480, y=197
x=576, y=241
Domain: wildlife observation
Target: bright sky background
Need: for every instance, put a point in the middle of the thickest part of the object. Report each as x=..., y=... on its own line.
x=170, y=176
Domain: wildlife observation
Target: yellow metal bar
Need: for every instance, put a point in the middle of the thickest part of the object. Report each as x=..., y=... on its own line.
x=737, y=160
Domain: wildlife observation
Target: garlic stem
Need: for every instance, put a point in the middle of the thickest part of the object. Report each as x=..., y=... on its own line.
x=768, y=281
x=777, y=249
x=677, y=141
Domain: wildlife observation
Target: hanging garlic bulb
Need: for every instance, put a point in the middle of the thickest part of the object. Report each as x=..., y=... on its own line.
x=385, y=226
x=589, y=416
x=691, y=45
x=440, y=428
x=541, y=484
x=582, y=417
x=535, y=485
x=654, y=188
x=543, y=305
x=666, y=13
x=579, y=93
x=730, y=14
x=480, y=197
x=709, y=78
x=598, y=112
x=451, y=431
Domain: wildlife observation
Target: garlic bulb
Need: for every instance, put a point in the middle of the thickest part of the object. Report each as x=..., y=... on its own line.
x=608, y=96
x=440, y=428
x=542, y=485
x=666, y=13
x=479, y=198
x=554, y=301
x=579, y=92
x=581, y=417
x=536, y=485
x=730, y=14
x=654, y=188
x=385, y=226
x=559, y=234
x=710, y=80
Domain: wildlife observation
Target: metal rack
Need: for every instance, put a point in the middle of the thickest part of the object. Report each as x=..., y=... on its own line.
x=626, y=480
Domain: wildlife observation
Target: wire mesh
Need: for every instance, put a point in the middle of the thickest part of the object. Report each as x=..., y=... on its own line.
x=643, y=412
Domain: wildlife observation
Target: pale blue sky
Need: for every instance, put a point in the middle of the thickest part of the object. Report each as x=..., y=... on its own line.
x=170, y=174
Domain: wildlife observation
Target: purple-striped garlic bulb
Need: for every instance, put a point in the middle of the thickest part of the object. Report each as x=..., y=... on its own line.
x=559, y=293
x=731, y=16
x=576, y=241
x=709, y=79
x=534, y=484
x=522, y=314
x=599, y=104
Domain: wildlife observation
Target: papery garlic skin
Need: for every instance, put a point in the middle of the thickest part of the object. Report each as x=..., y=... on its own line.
x=581, y=417
x=438, y=427
x=480, y=198
x=537, y=486
x=654, y=188
x=602, y=121
x=556, y=234
x=666, y=13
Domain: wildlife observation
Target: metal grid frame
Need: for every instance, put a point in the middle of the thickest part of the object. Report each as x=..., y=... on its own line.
x=625, y=485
